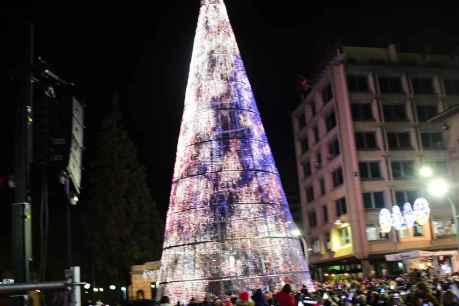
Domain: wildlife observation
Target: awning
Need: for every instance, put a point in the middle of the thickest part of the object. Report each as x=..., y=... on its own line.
x=418, y=254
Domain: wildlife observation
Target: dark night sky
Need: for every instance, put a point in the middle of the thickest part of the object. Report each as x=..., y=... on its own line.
x=144, y=54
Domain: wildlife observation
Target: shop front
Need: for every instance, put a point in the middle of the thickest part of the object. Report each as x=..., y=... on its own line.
x=441, y=262
x=345, y=269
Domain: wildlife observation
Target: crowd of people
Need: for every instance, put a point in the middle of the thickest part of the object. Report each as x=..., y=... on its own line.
x=414, y=289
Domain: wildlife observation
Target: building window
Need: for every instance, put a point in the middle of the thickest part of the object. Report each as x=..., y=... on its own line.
x=425, y=112
x=315, y=245
x=316, y=134
x=305, y=144
x=357, y=83
x=328, y=244
x=432, y=141
x=443, y=228
x=405, y=232
x=301, y=121
x=344, y=236
x=318, y=160
x=310, y=194
x=362, y=112
x=341, y=208
x=399, y=141
x=373, y=200
x=366, y=140
x=337, y=177
x=327, y=94
x=370, y=170
x=452, y=87
x=390, y=84
x=330, y=121
x=394, y=112
x=374, y=233
x=307, y=168
x=322, y=186
x=333, y=148
x=438, y=166
x=403, y=196
x=312, y=219
x=312, y=108
x=325, y=214
x=418, y=230
x=422, y=85
x=403, y=169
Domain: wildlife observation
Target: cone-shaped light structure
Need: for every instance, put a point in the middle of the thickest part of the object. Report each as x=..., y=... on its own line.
x=228, y=226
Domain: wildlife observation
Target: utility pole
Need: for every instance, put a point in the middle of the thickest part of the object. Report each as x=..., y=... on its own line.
x=21, y=208
x=65, y=180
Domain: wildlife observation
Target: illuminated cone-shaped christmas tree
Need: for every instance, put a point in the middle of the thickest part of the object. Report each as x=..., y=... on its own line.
x=228, y=227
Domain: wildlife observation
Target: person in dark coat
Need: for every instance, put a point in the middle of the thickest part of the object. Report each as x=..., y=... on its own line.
x=259, y=298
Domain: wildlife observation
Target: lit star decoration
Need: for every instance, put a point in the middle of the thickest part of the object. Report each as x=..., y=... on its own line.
x=228, y=225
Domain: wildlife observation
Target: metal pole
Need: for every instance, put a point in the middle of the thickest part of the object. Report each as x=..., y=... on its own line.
x=21, y=210
x=69, y=222
x=76, y=290
x=32, y=286
x=455, y=217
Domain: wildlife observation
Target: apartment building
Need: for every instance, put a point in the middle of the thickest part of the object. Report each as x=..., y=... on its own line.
x=361, y=132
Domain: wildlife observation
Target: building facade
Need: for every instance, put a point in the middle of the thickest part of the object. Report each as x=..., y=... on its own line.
x=144, y=279
x=361, y=133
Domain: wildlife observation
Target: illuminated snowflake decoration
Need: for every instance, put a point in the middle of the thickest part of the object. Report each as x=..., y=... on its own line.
x=420, y=213
x=228, y=225
x=397, y=218
x=408, y=215
x=385, y=220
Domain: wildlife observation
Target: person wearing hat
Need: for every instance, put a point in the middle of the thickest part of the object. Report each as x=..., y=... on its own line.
x=244, y=299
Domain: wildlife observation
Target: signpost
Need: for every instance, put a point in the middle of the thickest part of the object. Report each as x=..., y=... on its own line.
x=76, y=144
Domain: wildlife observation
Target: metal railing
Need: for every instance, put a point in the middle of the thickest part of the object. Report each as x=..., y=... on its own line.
x=72, y=283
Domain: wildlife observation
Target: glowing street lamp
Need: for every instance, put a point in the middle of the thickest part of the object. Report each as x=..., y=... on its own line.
x=123, y=292
x=438, y=187
x=425, y=171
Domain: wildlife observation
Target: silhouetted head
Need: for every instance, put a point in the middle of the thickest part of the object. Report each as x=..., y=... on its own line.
x=287, y=288
x=164, y=300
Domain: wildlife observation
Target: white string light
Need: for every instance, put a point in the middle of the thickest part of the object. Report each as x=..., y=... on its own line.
x=228, y=226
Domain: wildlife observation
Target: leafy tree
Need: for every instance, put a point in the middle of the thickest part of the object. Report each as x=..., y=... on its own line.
x=123, y=223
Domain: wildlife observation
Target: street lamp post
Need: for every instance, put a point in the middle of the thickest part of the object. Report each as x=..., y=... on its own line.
x=452, y=204
x=439, y=188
